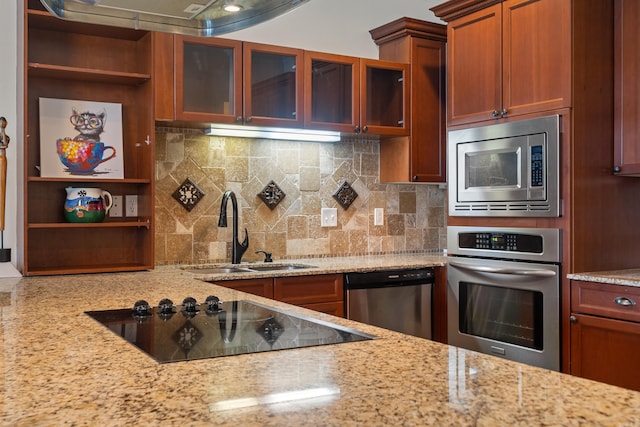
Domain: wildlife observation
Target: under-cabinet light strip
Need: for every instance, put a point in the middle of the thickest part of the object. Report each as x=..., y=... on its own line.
x=273, y=133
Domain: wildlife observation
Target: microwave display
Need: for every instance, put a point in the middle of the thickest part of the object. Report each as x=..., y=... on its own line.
x=509, y=169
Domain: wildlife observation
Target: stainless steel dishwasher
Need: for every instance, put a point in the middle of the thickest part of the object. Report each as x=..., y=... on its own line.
x=399, y=300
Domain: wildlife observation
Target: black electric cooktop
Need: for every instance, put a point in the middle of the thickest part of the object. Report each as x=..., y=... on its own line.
x=172, y=333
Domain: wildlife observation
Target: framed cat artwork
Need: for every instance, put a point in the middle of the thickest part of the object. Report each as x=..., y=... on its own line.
x=80, y=139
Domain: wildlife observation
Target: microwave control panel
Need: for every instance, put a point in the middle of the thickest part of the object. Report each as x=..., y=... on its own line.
x=513, y=242
x=537, y=166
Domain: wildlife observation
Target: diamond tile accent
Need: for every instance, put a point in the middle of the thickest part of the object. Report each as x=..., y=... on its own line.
x=345, y=195
x=271, y=195
x=188, y=194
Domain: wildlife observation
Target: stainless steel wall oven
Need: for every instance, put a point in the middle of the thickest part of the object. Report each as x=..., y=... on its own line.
x=504, y=292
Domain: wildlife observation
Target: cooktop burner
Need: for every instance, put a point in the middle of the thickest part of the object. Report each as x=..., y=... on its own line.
x=171, y=333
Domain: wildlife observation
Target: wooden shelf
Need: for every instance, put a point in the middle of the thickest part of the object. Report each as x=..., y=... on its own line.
x=92, y=180
x=50, y=71
x=108, y=224
x=89, y=269
x=42, y=19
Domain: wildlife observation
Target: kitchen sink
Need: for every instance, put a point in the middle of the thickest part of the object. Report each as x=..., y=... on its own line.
x=276, y=267
x=247, y=269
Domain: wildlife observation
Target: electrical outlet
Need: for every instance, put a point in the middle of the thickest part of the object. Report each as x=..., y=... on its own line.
x=378, y=216
x=329, y=217
x=116, y=207
x=131, y=205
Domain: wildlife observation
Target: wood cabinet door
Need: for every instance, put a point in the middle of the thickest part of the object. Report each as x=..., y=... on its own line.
x=627, y=87
x=536, y=62
x=303, y=290
x=273, y=89
x=208, y=79
x=332, y=92
x=428, y=128
x=474, y=76
x=605, y=350
x=384, y=97
x=260, y=287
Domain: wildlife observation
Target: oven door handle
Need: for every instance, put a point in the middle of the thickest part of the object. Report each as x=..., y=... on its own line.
x=512, y=271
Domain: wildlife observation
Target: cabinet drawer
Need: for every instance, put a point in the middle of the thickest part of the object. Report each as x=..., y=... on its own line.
x=303, y=290
x=333, y=308
x=601, y=299
x=260, y=287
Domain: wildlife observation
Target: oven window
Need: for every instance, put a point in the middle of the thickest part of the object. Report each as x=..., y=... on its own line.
x=492, y=169
x=503, y=314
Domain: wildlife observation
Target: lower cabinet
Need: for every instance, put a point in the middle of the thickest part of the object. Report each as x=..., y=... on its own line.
x=605, y=333
x=323, y=293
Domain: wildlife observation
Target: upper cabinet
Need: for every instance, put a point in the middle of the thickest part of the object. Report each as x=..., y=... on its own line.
x=421, y=156
x=93, y=72
x=216, y=80
x=519, y=52
x=350, y=94
x=212, y=80
x=627, y=88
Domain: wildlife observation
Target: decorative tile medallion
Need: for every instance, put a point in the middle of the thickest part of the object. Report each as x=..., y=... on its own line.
x=188, y=194
x=345, y=195
x=271, y=195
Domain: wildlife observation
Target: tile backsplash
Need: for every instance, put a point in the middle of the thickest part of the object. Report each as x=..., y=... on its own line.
x=308, y=173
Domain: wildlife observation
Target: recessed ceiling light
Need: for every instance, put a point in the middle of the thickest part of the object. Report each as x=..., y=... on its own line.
x=232, y=7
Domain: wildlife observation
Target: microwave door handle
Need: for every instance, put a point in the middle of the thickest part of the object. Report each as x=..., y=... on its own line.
x=512, y=271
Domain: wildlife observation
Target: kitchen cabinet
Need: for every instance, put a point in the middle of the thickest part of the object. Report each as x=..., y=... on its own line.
x=66, y=60
x=420, y=156
x=213, y=80
x=627, y=88
x=355, y=95
x=605, y=333
x=261, y=287
x=512, y=55
x=323, y=292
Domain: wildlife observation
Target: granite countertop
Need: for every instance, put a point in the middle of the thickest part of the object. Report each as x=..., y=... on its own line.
x=321, y=266
x=61, y=367
x=630, y=277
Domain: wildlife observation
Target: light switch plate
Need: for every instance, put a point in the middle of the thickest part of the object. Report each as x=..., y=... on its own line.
x=116, y=207
x=378, y=216
x=329, y=217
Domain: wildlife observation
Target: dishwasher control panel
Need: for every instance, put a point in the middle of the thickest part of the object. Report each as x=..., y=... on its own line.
x=389, y=277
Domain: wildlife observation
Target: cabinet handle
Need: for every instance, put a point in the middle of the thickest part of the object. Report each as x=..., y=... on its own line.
x=400, y=123
x=495, y=114
x=249, y=119
x=624, y=301
x=239, y=119
x=503, y=113
x=573, y=319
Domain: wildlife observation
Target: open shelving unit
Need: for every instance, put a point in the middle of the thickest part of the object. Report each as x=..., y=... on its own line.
x=68, y=60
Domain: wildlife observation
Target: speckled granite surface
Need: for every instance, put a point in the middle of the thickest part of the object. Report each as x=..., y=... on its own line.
x=321, y=266
x=59, y=367
x=629, y=277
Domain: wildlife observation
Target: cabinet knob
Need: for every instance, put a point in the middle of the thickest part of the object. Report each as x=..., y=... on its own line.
x=503, y=113
x=400, y=123
x=356, y=129
x=239, y=119
x=617, y=169
x=495, y=114
x=249, y=119
x=415, y=177
x=365, y=129
x=624, y=301
x=573, y=319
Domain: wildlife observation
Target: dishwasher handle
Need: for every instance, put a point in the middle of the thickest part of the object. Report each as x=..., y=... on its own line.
x=512, y=271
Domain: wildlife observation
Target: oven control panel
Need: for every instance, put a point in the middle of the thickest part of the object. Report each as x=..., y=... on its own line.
x=497, y=241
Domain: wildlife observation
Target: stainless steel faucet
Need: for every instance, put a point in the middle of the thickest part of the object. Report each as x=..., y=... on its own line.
x=237, y=249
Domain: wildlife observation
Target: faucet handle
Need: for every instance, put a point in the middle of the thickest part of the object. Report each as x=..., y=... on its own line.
x=267, y=255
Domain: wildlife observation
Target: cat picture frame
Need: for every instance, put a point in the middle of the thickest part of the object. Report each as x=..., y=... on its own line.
x=80, y=139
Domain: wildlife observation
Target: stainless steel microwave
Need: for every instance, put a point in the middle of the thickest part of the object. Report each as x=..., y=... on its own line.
x=508, y=169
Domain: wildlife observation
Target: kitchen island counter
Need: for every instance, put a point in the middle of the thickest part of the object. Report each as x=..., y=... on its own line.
x=61, y=367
